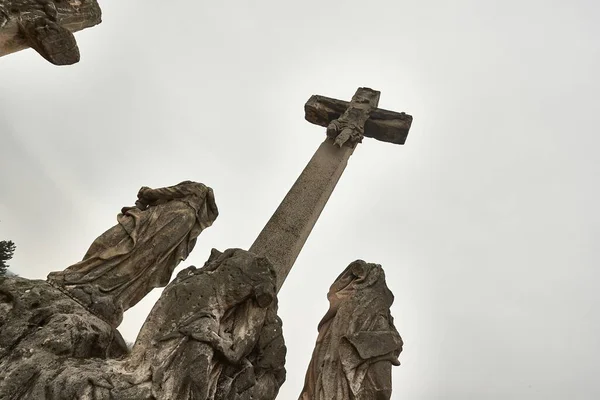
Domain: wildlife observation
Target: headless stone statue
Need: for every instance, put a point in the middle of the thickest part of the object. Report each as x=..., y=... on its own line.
x=357, y=343
x=203, y=335
x=139, y=253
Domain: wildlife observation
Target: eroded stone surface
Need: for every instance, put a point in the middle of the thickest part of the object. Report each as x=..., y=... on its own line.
x=46, y=26
x=41, y=328
x=214, y=334
x=357, y=343
x=286, y=232
x=349, y=128
x=139, y=253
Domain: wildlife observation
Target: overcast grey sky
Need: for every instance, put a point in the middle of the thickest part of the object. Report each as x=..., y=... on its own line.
x=485, y=221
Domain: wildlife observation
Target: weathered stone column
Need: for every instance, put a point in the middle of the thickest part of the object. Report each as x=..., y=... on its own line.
x=283, y=237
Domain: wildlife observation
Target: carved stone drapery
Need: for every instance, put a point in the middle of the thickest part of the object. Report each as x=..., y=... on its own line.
x=213, y=335
x=357, y=343
x=139, y=253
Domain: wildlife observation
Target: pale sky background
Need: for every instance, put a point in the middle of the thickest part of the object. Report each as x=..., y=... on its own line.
x=485, y=221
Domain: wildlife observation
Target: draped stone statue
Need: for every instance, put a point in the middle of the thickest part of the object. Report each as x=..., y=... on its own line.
x=357, y=342
x=214, y=333
x=139, y=253
x=203, y=336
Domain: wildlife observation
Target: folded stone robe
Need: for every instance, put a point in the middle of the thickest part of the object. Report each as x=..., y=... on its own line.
x=357, y=343
x=142, y=250
x=205, y=338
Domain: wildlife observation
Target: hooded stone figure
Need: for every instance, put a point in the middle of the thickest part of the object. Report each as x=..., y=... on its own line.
x=139, y=253
x=357, y=342
x=204, y=334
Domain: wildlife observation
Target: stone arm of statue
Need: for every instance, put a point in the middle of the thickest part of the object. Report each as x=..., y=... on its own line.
x=220, y=344
x=139, y=204
x=203, y=327
x=244, y=336
x=381, y=341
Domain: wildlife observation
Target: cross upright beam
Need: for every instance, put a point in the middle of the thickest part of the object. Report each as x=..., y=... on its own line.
x=284, y=235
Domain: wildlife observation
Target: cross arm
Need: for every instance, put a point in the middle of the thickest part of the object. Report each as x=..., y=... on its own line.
x=383, y=125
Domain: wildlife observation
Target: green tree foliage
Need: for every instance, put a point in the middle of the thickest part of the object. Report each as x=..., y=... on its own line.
x=7, y=249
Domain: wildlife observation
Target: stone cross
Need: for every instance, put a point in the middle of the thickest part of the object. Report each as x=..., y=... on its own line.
x=347, y=123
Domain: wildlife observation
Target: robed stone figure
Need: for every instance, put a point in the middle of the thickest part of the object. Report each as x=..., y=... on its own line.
x=357, y=342
x=139, y=253
x=214, y=334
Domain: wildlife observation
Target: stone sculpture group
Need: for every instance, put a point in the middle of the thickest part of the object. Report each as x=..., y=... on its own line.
x=214, y=334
